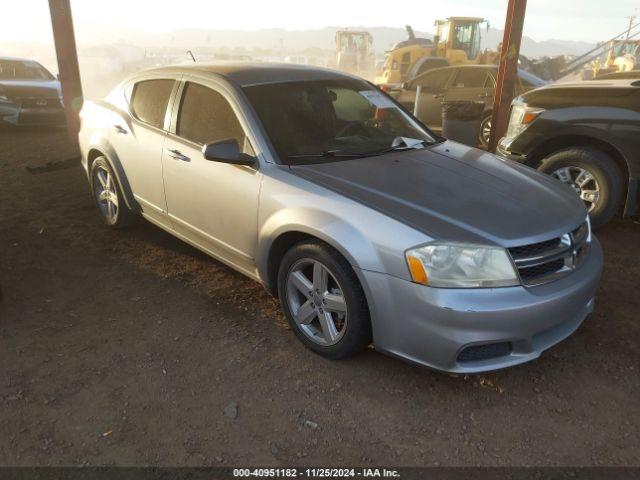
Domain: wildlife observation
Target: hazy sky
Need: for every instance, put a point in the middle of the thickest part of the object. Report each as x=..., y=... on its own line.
x=589, y=20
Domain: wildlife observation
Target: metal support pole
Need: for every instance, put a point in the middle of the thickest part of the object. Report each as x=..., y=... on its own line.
x=416, y=104
x=67, y=55
x=507, y=71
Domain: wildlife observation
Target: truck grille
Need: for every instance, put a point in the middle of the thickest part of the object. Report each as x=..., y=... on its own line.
x=551, y=260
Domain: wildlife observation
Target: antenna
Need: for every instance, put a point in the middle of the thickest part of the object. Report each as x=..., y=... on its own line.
x=192, y=57
x=632, y=19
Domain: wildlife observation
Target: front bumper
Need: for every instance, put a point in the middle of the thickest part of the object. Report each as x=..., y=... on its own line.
x=503, y=149
x=432, y=326
x=17, y=115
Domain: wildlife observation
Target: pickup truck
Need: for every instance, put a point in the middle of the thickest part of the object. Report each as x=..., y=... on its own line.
x=585, y=134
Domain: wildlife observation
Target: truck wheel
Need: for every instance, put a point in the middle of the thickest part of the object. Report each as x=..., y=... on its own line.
x=108, y=195
x=593, y=175
x=323, y=300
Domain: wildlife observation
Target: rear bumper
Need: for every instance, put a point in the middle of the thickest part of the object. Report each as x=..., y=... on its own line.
x=431, y=326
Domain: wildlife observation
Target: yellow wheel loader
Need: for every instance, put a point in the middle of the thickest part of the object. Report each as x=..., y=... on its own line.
x=457, y=41
x=353, y=52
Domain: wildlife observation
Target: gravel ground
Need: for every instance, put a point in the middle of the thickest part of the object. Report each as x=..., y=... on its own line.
x=132, y=348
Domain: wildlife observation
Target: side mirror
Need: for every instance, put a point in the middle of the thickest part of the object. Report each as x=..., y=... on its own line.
x=227, y=151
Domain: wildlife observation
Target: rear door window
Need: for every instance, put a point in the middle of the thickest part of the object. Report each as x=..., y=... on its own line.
x=435, y=80
x=150, y=99
x=470, y=78
x=205, y=116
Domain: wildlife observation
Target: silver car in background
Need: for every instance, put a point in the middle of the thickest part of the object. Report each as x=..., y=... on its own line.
x=369, y=228
x=29, y=94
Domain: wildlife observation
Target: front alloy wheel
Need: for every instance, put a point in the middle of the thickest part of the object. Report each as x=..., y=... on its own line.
x=315, y=299
x=583, y=183
x=323, y=300
x=594, y=175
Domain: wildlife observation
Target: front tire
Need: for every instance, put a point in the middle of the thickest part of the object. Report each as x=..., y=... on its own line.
x=594, y=176
x=108, y=195
x=323, y=300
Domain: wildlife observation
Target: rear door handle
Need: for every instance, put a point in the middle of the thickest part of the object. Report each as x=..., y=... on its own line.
x=120, y=129
x=483, y=95
x=177, y=155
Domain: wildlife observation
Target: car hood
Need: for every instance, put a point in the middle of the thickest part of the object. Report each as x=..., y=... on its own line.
x=31, y=88
x=453, y=192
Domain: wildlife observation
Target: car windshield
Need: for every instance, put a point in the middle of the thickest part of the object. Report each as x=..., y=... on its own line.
x=530, y=80
x=333, y=118
x=23, y=70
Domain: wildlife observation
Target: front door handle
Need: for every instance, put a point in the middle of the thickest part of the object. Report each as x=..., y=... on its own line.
x=177, y=155
x=120, y=129
x=438, y=95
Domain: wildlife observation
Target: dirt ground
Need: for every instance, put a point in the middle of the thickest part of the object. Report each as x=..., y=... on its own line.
x=132, y=348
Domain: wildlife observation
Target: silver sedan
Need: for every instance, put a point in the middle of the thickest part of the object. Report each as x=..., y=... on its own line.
x=368, y=227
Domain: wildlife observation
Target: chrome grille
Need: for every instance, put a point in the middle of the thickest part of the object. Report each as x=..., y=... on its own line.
x=550, y=260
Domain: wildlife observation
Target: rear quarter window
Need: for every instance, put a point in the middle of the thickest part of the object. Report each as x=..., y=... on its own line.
x=150, y=99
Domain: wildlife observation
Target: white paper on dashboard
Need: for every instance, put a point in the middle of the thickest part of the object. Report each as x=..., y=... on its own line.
x=377, y=99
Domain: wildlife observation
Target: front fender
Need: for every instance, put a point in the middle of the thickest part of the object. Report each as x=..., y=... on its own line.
x=342, y=236
x=366, y=238
x=617, y=127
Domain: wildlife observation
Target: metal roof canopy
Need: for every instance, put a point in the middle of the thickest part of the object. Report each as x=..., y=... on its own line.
x=67, y=56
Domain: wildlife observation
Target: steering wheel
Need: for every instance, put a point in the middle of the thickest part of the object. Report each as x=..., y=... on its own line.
x=351, y=128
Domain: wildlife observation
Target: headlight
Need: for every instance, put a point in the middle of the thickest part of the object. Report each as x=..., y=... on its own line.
x=521, y=117
x=455, y=265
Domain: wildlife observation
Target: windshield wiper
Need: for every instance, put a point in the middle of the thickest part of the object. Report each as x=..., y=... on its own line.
x=329, y=153
x=400, y=144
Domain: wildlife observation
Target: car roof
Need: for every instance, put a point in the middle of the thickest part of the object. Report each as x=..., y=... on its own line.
x=17, y=59
x=252, y=73
x=451, y=67
x=605, y=83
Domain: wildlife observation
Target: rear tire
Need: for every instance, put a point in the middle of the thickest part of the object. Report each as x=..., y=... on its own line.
x=485, y=131
x=602, y=187
x=108, y=196
x=307, y=305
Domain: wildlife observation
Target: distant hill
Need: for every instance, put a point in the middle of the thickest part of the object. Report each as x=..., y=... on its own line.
x=533, y=48
x=292, y=40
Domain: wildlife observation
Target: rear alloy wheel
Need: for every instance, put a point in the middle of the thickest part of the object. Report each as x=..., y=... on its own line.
x=323, y=300
x=108, y=196
x=593, y=175
x=485, y=131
